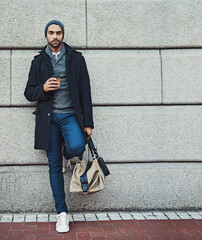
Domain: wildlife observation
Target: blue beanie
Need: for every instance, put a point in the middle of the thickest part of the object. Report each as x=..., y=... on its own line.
x=54, y=22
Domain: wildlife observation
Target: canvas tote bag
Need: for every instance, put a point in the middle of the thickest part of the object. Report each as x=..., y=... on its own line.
x=88, y=176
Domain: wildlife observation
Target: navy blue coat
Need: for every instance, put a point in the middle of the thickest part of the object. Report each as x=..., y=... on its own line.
x=79, y=85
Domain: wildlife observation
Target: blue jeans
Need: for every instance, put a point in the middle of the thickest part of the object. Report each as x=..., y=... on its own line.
x=63, y=126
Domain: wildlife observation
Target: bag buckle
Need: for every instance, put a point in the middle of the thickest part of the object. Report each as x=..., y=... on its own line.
x=85, y=187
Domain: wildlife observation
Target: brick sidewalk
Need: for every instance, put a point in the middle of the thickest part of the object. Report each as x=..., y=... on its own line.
x=183, y=229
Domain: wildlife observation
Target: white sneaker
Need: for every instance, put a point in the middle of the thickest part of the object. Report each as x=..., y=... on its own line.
x=65, y=164
x=62, y=224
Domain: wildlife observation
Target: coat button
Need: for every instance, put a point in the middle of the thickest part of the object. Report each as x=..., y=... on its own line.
x=49, y=114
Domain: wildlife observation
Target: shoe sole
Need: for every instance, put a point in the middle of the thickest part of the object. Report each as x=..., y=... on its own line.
x=64, y=231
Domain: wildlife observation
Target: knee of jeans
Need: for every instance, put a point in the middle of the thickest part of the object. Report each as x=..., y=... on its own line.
x=77, y=149
x=55, y=167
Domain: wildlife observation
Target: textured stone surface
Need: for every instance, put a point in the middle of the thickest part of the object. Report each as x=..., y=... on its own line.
x=42, y=217
x=7, y=218
x=5, y=79
x=19, y=218
x=137, y=216
x=124, y=76
x=21, y=62
x=126, y=216
x=172, y=215
x=30, y=217
x=23, y=22
x=182, y=75
x=90, y=217
x=143, y=23
x=117, y=76
x=160, y=215
x=151, y=186
x=183, y=215
x=114, y=216
x=121, y=134
x=195, y=215
x=102, y=216
x=53, y=217
x=148, y=133
x=149, y=215
x=78, y=217
x=17, y=143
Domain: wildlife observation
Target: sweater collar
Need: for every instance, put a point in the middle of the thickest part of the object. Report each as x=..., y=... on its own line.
x=52, y=56
x=67, y=48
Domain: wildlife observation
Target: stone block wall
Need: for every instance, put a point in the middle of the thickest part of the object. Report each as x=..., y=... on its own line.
x=144, y=60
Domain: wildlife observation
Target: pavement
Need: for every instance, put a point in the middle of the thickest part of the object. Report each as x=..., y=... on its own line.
x=144, y=225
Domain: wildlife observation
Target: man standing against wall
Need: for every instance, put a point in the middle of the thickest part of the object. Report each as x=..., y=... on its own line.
x=59, y=82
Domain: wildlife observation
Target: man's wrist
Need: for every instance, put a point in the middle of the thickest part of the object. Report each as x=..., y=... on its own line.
x=44, y=88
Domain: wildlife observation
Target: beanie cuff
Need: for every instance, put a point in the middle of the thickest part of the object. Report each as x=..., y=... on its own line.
x=54, y=22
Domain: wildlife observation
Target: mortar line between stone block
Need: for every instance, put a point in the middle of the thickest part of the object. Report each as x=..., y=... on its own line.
x=119, y=105
x=110, y=162
x=107, y=48
x=177, y=214
x=86, y=24
x=161, y=69
x=190, y=215
x=11, y=77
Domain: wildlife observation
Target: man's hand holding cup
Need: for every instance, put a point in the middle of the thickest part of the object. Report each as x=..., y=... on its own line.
x=51, y=84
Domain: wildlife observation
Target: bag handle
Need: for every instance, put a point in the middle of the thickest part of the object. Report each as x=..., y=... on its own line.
x=93, y=150
x=91, y=145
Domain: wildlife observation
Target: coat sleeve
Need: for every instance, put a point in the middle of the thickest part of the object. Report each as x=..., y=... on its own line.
x=85, y=95
x=33, y=90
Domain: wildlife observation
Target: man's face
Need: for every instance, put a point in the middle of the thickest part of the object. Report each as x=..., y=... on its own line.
x=54, y=36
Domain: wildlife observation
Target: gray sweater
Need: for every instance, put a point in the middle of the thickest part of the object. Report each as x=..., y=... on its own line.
x=62, y=102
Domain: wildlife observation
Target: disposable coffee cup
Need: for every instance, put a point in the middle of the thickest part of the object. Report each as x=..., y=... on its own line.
x=58, y=79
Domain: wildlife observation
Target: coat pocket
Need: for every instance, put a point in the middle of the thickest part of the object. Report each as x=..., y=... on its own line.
x=36, y=112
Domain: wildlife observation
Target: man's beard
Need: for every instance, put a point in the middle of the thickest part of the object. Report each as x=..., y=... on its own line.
x=55, y=45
